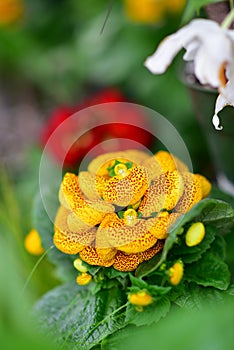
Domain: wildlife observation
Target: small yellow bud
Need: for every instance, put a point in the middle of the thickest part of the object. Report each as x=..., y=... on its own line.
x=130, y=217
x=83, y=279
x=195, y=234
x=140, y=298
x=78, y=264
x=176, y=273
x=121, y=170
x=32, y=243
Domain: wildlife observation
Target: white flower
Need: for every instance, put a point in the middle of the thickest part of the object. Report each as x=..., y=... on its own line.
x=211, y=47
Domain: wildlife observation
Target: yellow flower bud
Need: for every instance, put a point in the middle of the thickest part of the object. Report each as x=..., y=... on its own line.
x=83, y=279
x=78, y=264
x=176, y=273
x=142, y=298
x=32, y=243
x=130, y=217
x=195, y=234
x=121, y=170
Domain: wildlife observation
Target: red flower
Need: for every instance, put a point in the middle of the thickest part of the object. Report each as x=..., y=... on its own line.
x=68, y=148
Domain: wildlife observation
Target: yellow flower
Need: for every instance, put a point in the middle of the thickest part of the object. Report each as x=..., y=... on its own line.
x=84, y=279
x=195, y=234
x=141, y=298
x=118, y=213
x=10, y=11
x=32, y=243
x=176, y=273
x=151, y=11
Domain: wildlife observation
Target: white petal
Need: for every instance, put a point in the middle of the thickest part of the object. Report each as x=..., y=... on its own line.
x=191, y=50
x=211, y=57
x=221, y=102
x=184, y=37
x=166, y=51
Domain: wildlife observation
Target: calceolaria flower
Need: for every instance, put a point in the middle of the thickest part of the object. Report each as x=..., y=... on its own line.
x=119, y=212
x=211, y=47
x=32, y=243
x=176, y=273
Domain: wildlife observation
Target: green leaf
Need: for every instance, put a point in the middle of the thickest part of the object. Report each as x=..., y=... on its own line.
x=76, y=319
x=150, y=314
x=147, y=267
x=196, y=296
x=63, y=262
x=193, y=7
x=155, y=290
x=209, y=271
x=219, y=213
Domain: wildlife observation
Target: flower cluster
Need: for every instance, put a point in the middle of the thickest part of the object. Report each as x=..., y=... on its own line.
x=119, y=212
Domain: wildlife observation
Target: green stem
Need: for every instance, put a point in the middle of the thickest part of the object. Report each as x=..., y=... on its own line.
x=231, y=4
x=35, y=267
x=228, y=19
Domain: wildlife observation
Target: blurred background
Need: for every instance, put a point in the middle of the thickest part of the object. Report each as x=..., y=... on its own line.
x=57, y=57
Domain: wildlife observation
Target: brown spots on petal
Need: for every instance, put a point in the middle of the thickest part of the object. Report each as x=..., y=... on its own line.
x=128, y=190
x=67, y=241
x=129, y=262
x=192, y=193
x=91, y=185
x=164, y=193
x=91, y=257
x=205, y=185
x=91, y=212
x=170, y=162
x=158, y=226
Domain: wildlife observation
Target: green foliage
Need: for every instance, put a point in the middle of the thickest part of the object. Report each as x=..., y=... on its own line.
x=151, y=313
x=78, y=319
x=209, y=271
x=104, y=302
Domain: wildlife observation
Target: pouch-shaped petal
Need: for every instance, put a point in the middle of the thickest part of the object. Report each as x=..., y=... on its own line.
x=127, y=190
x=192, y=193
x=67, y=241
x=91, y=212
x=163, y=193
x=91, y=257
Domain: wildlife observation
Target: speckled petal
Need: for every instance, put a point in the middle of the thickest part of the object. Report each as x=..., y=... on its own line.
x=91, y=185
x=151, y=252
x=158, y=225
x=164, y=193
x=67, y=241
x=91, y=257
x=105, y=251
x=129, y=262
x=128, y=190
x=205, y=184
x=126, y=262
x=169, y=162
x=91, y=212
x=192, y=193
